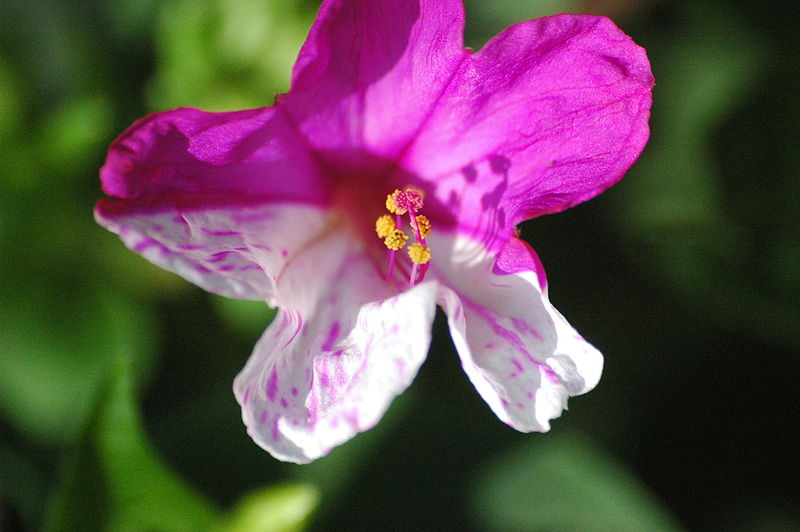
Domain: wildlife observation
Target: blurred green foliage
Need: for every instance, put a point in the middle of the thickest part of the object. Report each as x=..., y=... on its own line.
x=115, y=404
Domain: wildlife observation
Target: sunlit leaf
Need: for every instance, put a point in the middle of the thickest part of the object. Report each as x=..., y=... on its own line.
x=274, y=509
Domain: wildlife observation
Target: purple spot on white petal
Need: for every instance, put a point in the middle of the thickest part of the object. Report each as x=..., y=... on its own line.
x=218, y=256
x=293, y=391
x=272, y=385
x=551, y=375
x=246, y=397
x=284, y=402
x=143, y=245
x=263, y=417
x=190, y=247
x=395, y=329
x=262, y=246
x=157, y=228
x=518, y=365
x=333, y=334
x=226, y=268
x=503, y=401
x=324, y=379
x=200, y=268
x=248, y=267
x=520, y=406
x=284, y=252
x=351, y=418
x=530, y=395
x=523, y=327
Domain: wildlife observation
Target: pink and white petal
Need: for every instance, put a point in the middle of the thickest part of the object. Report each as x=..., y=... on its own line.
x=370, y=73
x=520, y=354
x=222, y=199
x=343, y=345
x=548, y=114
x=232, y=252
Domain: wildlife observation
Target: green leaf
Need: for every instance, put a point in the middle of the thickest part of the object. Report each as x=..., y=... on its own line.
x=115, y=481
x=561, y=482
x=60, y=338
x=226, y=54
x=273, y=509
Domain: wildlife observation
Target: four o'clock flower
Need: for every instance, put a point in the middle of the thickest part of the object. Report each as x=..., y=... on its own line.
x=390, y=180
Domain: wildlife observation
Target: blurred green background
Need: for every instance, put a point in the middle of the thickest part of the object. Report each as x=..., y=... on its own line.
x=116, y=410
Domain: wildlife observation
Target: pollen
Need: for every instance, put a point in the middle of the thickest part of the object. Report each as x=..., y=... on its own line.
x=424, y=225
x=384, y=225
x=419, y=253
x=393, y=203
x=395, y=240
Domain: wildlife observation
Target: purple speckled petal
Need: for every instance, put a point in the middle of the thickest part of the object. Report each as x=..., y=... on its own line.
x=233, y=252
x=520, y=354
x=342, y=346
x=222, y=199
x=548, y=114
x=370, y=73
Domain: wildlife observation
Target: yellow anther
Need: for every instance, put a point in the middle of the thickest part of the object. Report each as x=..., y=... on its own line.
x=395, y=240
x=419, y=254
x=391, y=203
x=384, y=225
x=424, y=225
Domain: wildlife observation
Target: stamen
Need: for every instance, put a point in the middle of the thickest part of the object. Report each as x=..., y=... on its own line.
x=395, y=240
x=424, y=225
x=393, y=205
x=401, y=202
x=419, y=253
x=384, y=225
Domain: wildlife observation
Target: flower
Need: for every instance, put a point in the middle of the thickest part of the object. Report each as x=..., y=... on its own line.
x=390, y=180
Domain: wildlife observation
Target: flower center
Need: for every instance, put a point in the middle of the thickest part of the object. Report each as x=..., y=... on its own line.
x=389, y=228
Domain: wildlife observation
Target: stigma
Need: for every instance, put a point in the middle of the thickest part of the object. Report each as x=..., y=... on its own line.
x=409, y=202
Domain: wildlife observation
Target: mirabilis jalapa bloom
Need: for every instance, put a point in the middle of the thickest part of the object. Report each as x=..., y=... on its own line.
x=389, y=180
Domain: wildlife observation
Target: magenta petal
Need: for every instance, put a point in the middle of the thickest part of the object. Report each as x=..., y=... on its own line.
x=191, y=159
x=370, y=73
x=550, y=113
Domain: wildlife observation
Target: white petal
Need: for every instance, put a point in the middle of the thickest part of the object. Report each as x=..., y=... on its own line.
x=343, y=345
x=236, y=251
x=520, y=354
